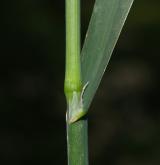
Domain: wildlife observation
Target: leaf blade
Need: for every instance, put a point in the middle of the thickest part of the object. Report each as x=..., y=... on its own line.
x=106, y=23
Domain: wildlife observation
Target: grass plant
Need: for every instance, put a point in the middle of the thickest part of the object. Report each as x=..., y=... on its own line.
x=84, y=72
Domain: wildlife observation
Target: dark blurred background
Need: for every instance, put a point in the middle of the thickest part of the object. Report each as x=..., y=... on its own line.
x=124, y=119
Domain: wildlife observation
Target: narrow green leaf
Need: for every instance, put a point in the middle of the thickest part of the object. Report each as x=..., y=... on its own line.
x=105, y=26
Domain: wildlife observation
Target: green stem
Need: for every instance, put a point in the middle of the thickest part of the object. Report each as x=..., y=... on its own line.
x=77, y=133
x=73, y=80
x=77, y=140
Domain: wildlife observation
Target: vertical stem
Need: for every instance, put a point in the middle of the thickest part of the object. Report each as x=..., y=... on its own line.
x=77, y=133
x=77, y=140
x=73, y=80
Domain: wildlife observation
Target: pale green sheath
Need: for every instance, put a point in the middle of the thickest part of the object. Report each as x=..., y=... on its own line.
x=73, y=82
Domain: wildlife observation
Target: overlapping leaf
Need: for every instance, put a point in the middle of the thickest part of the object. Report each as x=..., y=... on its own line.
x=104, y=29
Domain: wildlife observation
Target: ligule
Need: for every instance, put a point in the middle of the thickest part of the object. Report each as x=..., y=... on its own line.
x=75, y=108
